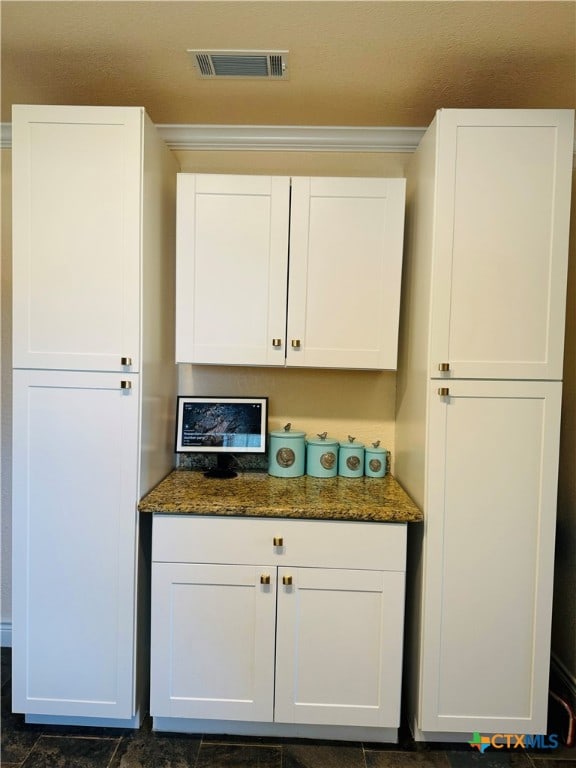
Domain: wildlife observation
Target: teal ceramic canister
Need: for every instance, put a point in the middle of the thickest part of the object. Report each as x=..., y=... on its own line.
x=286, y=453
x=321, y=456
x=351, y=458
x=375, y=459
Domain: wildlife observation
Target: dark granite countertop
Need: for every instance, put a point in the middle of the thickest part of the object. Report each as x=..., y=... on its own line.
x=257, y=494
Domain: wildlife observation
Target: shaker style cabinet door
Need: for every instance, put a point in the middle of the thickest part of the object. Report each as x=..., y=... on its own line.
x=501, y=243
x=77, y=237
x=213, y=641
x=487, y=600
x=232, y=261
x=346, y=237
x=339, y=647
x=74, y=542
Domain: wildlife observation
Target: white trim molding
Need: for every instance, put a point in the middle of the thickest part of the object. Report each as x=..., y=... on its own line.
x=280, y=138
x=284, y=138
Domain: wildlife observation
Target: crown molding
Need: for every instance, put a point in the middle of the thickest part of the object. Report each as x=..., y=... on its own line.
x=277, y=138
x=290, y=138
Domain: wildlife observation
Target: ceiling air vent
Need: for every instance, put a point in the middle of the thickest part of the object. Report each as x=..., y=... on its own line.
x=269, y=65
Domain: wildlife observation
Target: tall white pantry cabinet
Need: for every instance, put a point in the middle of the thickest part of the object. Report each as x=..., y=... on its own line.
x=478, y=413
x=94, y=215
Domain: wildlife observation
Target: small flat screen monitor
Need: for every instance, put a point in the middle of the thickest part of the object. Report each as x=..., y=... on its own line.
x=223, y=426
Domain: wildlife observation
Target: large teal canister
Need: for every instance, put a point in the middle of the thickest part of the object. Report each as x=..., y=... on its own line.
x=287, y=452
x=321, y=456
x=375, y=460
x=351, y=458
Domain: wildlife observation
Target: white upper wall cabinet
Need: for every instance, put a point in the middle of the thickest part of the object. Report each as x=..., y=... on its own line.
x=301, y=272
x=500, y=243
x=77, y=276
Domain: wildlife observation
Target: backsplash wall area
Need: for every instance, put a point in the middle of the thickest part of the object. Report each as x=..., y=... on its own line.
x=342, y=403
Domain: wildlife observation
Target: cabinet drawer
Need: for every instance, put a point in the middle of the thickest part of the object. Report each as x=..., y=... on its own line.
x=310, y=543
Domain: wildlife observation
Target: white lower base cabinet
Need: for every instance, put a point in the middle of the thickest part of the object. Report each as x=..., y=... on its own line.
x=484, y=632
x=283, y=644
x=75, y=544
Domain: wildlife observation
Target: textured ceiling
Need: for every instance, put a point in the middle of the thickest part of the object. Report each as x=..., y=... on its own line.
x=357, y=63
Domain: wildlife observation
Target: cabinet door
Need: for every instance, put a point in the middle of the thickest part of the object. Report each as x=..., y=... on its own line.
x=74, y=541
x=346, y=238
x=339, y=647
x=232, y=254
x=212, y=641
x=487, y=600
x=501, y=242
x=76, y=209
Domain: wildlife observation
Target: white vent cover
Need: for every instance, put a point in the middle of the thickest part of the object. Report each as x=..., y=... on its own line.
x=270, y=65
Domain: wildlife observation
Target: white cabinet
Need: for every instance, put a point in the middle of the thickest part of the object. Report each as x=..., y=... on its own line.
x=94, y=385
x=75, y=480
x=477, y=439
x=76, y=204
x=487, y=600
x=279, y=271
x=261, y=625
x=500, y=242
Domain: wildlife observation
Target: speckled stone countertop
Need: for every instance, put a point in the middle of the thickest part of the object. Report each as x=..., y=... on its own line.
x=257, y=494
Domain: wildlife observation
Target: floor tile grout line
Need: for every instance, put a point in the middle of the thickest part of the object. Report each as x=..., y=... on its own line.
x=115, y=752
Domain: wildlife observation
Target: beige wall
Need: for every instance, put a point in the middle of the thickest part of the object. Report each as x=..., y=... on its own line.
x=342, y=402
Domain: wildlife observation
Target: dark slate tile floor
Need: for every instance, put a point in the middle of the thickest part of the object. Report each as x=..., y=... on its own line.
x=35, y=746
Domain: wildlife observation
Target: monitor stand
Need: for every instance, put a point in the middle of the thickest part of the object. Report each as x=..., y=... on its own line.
x=223, y=469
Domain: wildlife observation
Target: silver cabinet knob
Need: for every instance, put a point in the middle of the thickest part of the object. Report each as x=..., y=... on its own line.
x=443, y=391
x=443, y=367
x=125, y=385
x=126, y=361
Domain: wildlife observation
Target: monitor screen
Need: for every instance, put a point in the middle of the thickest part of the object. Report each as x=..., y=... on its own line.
x=221, y=425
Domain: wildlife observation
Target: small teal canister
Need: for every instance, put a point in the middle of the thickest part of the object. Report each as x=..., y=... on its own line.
x=375, y=459
x=351, y=458
x=287, y=452
x=321, y=456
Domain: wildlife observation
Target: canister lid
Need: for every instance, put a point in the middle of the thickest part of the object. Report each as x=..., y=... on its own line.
x=287, y=435
x=375, y=448
x=351, y=444
x=330, y=441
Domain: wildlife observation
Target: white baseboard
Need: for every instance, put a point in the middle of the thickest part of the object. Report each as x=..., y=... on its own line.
x=5, y=634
